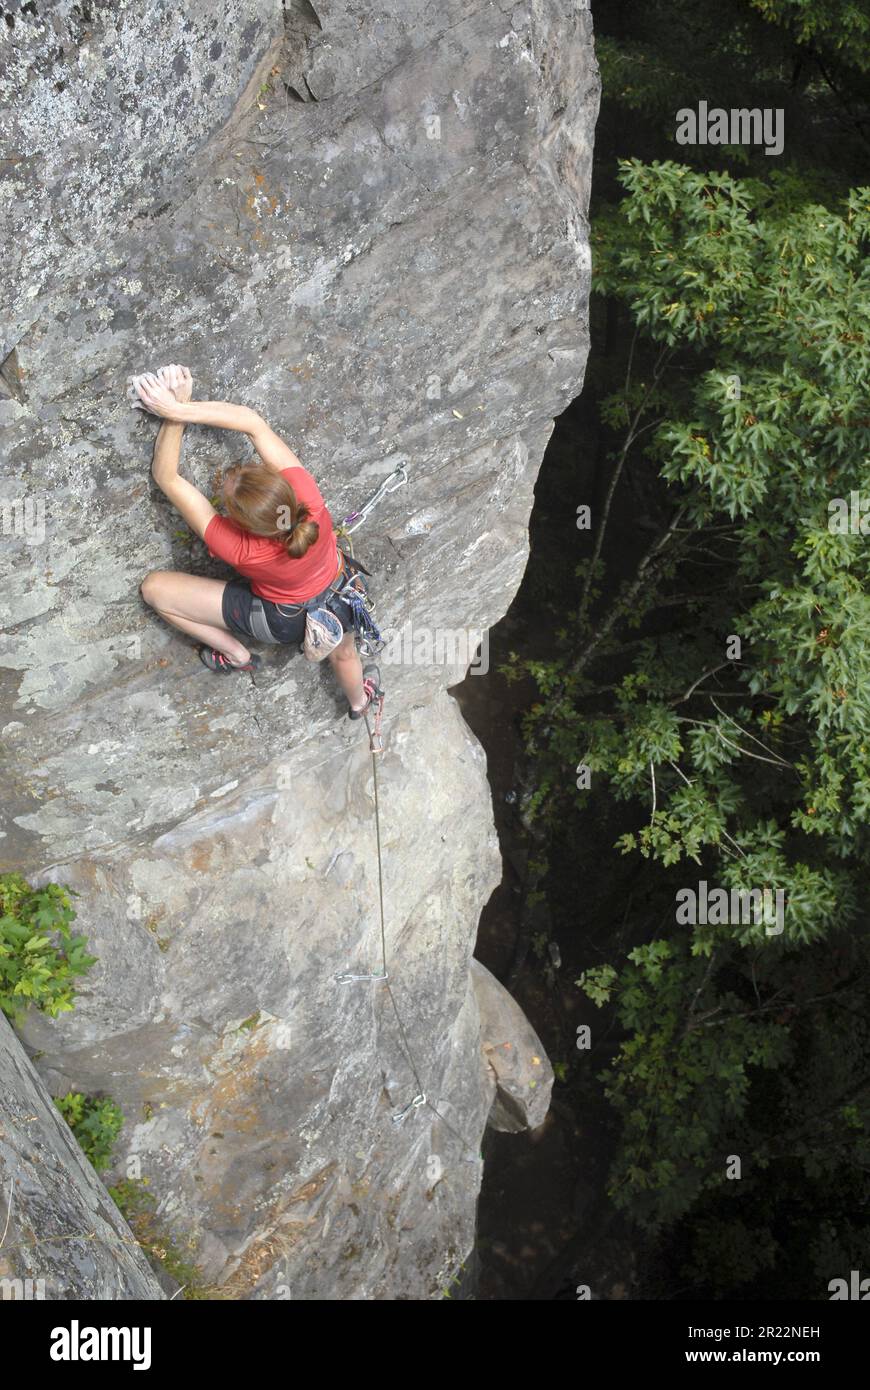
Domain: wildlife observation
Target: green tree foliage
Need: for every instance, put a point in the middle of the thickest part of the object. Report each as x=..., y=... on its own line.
x=39, y=956
x=96, y=1122
x=752, y=349
x=743, y=402
x=725, y=408
x=841, y=27
x=768, y=427
x=808, y=58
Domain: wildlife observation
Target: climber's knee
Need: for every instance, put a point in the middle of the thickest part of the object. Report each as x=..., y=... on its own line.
x=152, y=586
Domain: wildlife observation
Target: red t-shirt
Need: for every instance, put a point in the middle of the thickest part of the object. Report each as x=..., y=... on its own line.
x=272, y=572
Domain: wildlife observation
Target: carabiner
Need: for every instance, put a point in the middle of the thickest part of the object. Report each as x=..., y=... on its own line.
x=414, y=1104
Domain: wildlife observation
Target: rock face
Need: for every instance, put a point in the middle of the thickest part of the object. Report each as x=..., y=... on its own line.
x=520, y=1074
x=368, y=222
x=62, y=1235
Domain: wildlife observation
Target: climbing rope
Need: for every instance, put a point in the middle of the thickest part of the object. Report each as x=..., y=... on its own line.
x=420, y=1098
x=369, y=636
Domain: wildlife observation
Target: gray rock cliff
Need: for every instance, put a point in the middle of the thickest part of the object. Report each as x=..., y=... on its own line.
x=61, y=1235
x=368, y=222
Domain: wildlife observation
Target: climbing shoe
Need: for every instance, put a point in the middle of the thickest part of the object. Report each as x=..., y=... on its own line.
x=372, y=688
x=222, y=666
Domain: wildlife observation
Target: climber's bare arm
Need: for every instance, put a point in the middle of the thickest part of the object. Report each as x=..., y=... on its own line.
x=175, y=384
x=187, y=499
x=222, y=415
x=272, y=450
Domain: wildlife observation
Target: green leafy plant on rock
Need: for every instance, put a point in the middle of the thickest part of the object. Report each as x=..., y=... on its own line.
x=96, y=1122
x=39, y=956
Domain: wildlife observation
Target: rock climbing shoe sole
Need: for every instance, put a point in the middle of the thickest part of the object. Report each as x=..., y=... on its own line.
x=222, y=666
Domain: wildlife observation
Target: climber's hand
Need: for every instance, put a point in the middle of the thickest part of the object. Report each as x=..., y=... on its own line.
x=178, y=380
x=158, y=398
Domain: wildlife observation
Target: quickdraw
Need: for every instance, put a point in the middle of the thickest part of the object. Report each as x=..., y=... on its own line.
x=399, y=1115
x=388, y=485
x=376, y=742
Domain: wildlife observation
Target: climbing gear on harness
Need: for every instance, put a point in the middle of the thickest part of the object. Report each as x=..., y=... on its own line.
x=323, y=633
x=388, y=485
x=217, y=662
x=348, y=587
x=355, y=594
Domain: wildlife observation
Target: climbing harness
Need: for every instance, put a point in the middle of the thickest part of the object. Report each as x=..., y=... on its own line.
x=388, y=485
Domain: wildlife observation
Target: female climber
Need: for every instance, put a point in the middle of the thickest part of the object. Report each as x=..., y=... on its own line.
x=279, y=536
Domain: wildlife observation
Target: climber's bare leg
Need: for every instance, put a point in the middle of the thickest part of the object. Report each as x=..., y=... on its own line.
x=347, y=666
x=194, y=605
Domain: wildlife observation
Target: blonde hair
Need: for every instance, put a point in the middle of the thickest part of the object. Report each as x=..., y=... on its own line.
x=264, y=503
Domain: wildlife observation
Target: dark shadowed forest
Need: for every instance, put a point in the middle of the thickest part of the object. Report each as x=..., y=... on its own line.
x=679, y=701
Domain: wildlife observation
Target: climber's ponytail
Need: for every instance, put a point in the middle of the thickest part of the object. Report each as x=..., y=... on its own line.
x=298, y=534
x=264, y=503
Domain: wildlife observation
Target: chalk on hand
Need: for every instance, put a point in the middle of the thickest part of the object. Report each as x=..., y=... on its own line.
x=132, y=395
